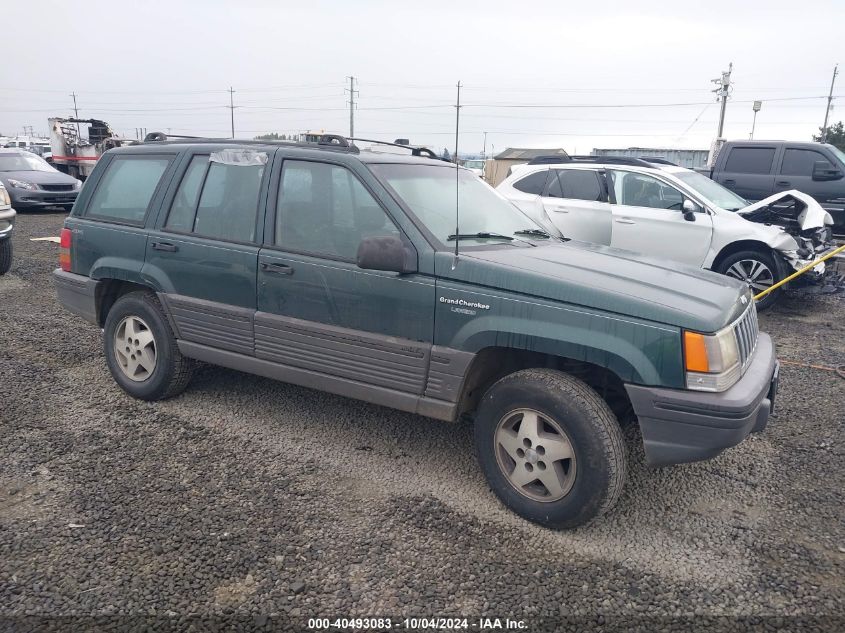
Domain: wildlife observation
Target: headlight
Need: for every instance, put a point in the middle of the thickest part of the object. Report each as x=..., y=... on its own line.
x=4, y=197
x=711, y=360
x=22, y=184
x=77, y=185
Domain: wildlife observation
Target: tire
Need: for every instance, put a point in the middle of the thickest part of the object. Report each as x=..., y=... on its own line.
x=754, y=262
x=583, y=486
x=5, y=255
x=141, y=351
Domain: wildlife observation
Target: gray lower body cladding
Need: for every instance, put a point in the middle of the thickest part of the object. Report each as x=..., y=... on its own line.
x=685, y=426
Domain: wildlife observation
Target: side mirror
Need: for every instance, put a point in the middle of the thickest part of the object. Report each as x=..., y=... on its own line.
x=386, y=252
x=823, y=170
x=689, y=209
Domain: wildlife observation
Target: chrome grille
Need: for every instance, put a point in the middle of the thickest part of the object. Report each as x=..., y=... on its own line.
x=746, y=330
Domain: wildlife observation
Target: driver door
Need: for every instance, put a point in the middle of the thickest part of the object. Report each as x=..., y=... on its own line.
x=647, y=218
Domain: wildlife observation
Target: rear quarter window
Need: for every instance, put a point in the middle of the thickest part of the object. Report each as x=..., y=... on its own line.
x=532, y=183
x=127, y=187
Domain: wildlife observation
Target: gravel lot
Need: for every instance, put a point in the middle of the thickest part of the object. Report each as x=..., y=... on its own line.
x=244, y=498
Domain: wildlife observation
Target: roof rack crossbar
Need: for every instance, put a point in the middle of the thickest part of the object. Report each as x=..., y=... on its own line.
x=415, y=151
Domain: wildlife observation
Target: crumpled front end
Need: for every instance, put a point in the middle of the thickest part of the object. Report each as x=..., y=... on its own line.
x=808, y=232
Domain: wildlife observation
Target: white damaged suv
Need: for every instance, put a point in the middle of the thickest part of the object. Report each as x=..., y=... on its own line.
x=656, y=208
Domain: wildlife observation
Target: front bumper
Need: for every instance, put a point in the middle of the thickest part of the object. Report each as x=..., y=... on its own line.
x=680, y=425
x=26, y=199
x=7, y=223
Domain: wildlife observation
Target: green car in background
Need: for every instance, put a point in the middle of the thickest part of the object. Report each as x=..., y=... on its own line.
x=341, y=270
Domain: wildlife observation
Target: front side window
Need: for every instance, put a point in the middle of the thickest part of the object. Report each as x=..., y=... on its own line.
x=324, y=209
x=641, y=190
x=750, y=160
x=532, y=183
x=429, y=192
x=126, y=189
x=217, y=200
x=800, y=162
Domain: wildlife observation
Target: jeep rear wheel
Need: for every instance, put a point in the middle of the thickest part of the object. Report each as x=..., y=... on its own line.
x=5, y=255
x=550, y=447
x=141, y=351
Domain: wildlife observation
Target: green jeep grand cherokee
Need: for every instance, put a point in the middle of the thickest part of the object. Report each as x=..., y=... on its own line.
x=335, y=268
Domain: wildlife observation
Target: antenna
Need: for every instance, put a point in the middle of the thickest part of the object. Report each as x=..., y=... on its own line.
x=457, y=177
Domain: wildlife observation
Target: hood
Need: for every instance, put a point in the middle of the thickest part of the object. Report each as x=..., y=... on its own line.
x=808, y=213
x=39, y=177
x=607, y=279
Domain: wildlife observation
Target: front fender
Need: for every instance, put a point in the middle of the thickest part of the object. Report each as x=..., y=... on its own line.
x=635, y=350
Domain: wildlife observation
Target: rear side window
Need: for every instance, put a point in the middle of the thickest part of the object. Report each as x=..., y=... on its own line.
x=799, y=162
x=750, y=160
x=217, y=200
x=126, y=189
x=579, y=184
x=532, y=183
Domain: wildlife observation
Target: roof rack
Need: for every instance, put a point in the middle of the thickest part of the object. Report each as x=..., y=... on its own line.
x=334, y=142
x=415, y=151
x=659, y=160
x=601, y=160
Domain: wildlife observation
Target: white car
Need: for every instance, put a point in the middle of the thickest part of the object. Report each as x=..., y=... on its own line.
x=675, y=213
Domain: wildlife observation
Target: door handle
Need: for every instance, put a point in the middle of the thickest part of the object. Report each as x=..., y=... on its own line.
x=729, y=181
x=277, y=269
x=783, y=183
x=624, y=221
x=165, y=246
x=557, y=209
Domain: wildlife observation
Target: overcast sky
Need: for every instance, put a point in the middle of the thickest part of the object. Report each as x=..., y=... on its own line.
x=167, y=66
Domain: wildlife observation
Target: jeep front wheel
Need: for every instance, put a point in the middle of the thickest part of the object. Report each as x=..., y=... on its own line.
x=550, y=447
x=141, y=351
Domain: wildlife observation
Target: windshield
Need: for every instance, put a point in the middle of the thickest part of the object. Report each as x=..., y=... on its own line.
x=712, y=190
x=24, y=161
x=429, y=191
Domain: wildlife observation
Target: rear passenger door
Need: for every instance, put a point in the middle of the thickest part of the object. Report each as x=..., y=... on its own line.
x=204, y=251
x=575, y=201
x=749, y=171
x=317, y=310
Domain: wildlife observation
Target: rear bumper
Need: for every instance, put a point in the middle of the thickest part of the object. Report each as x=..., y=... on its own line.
x=685, y=426
x=77, y=294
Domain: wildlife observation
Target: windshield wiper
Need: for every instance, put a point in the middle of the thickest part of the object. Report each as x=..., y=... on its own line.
x=481, y=235
x=535, y=232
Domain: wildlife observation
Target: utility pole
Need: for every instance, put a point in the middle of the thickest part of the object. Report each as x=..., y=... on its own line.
x=75, y=113
x=352, y=92
x=484, y=151
x=829, y=101
x=722, y=92
x=231, y=107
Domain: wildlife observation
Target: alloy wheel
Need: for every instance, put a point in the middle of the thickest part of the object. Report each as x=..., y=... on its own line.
x=753, y=272
x=535, y=454
x=135, y=348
